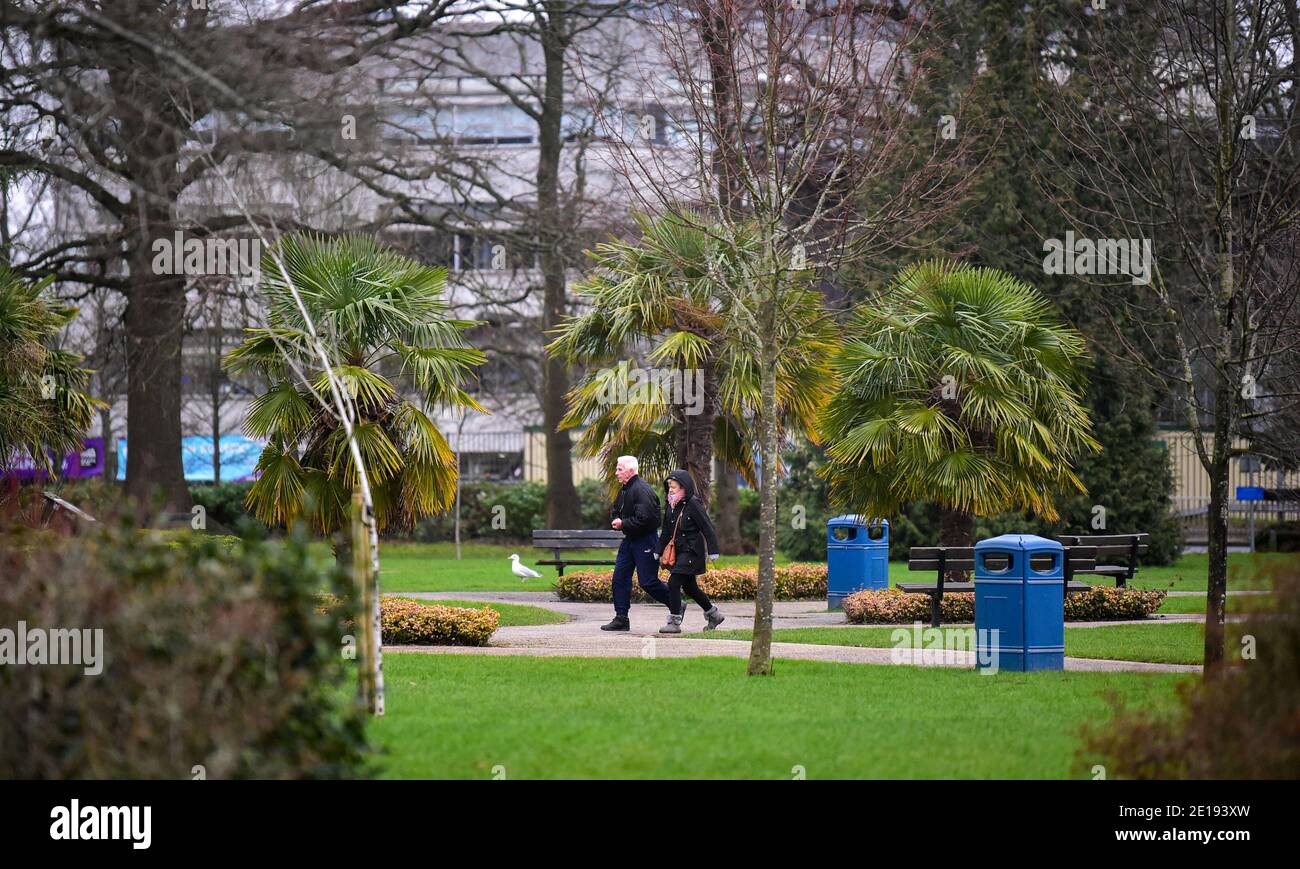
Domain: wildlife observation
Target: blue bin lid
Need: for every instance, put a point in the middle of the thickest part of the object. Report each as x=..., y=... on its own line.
x=1018, y=542
x=854, y=519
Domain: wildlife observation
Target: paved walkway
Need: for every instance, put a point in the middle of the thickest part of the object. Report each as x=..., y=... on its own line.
x=581, y=635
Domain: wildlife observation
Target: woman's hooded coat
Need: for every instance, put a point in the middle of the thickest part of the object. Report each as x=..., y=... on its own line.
x=695, y=536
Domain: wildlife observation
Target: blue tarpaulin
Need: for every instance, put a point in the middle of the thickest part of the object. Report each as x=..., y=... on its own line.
x=238, y=458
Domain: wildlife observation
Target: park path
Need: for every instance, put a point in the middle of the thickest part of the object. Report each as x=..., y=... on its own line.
x=581, y=635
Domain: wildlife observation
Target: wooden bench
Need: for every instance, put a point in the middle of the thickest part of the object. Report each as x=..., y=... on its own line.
x=942, y=559
x=1111, y=547
x=559, y=540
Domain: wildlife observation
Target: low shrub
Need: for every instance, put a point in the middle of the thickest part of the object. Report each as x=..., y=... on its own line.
x=212, y=654
x=892, y=606
x=406, y=622
x=793, y=582
x=1108, y=603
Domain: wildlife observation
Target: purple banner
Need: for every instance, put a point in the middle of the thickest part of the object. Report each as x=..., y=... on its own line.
x=89, y=462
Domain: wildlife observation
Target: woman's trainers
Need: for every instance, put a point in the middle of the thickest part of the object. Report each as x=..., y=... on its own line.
x=714, y=618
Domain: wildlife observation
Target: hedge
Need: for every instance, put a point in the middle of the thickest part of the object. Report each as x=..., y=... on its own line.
x=892, y=606
x=793, y=582
x=406, y=622
x=214, y=654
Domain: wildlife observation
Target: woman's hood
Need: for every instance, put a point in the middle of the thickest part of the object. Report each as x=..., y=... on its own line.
x=684, y=480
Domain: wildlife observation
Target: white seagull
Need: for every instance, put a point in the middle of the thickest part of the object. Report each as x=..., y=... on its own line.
x=520, y=570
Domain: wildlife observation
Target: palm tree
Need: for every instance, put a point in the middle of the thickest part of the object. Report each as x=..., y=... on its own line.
x=960, y=387
x=667, y=298
x=384, y=318
x=43, y=408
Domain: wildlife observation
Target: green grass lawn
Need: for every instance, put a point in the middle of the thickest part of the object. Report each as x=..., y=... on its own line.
x=512, y=614
x=486, y=567
x=1241, y=604
x=453, y=716
x=1160, y=643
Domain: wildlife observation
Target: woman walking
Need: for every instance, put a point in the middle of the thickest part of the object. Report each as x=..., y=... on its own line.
x=687, y=542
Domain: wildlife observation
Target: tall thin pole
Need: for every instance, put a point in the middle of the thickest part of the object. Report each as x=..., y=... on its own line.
x=365, y=569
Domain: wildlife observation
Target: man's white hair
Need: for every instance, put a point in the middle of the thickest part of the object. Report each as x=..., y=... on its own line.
x=631, y=463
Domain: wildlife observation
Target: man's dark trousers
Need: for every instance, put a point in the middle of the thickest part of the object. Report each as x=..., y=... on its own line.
x=638, y=554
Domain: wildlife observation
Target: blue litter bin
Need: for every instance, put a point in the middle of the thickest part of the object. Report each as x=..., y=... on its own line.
x=1020, y=593
x=857, y=556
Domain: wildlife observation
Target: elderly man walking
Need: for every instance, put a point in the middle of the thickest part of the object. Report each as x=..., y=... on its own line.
x=636, y=514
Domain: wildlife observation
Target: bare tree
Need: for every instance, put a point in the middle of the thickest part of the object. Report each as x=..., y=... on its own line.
x=1185, y=149
x=123, y=107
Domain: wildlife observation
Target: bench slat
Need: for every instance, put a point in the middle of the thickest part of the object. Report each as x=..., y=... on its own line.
x=578, y=534
x=552, y=563
x=951, y=552
x=1102, y=539
x=1118, y=551
x=930, y=588
x=578, y=544
x=969, y=564
x=948, y=564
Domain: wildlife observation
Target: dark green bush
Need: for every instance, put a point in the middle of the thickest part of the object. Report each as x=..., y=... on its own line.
x=802, y=505
x=1278, y=537
x=224, y=504
x=213, y=655
x=522, y=508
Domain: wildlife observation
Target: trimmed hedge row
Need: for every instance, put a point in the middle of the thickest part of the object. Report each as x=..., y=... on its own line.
x=406, y=622
x=1106, y=604
x=892, y=606
x=793, y=582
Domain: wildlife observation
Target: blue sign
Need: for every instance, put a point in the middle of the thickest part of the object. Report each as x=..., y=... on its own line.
x=1250, y=493
x=239, y=457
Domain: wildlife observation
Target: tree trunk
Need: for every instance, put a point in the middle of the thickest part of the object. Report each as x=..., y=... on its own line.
x=760, y=648
x=562, y=508
x=1227, y=388
x=110, y=448
x=1216, y=530
x=155, y=315
x=956, y=528
x=726, y=508
x=694, y=438
x=155, y=311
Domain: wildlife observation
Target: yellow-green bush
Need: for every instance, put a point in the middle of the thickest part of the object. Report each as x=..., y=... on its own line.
x=793, y=582
x=407, y=622
x=892, y=606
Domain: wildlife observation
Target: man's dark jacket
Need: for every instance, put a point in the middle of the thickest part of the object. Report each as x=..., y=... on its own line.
x=638, y=506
